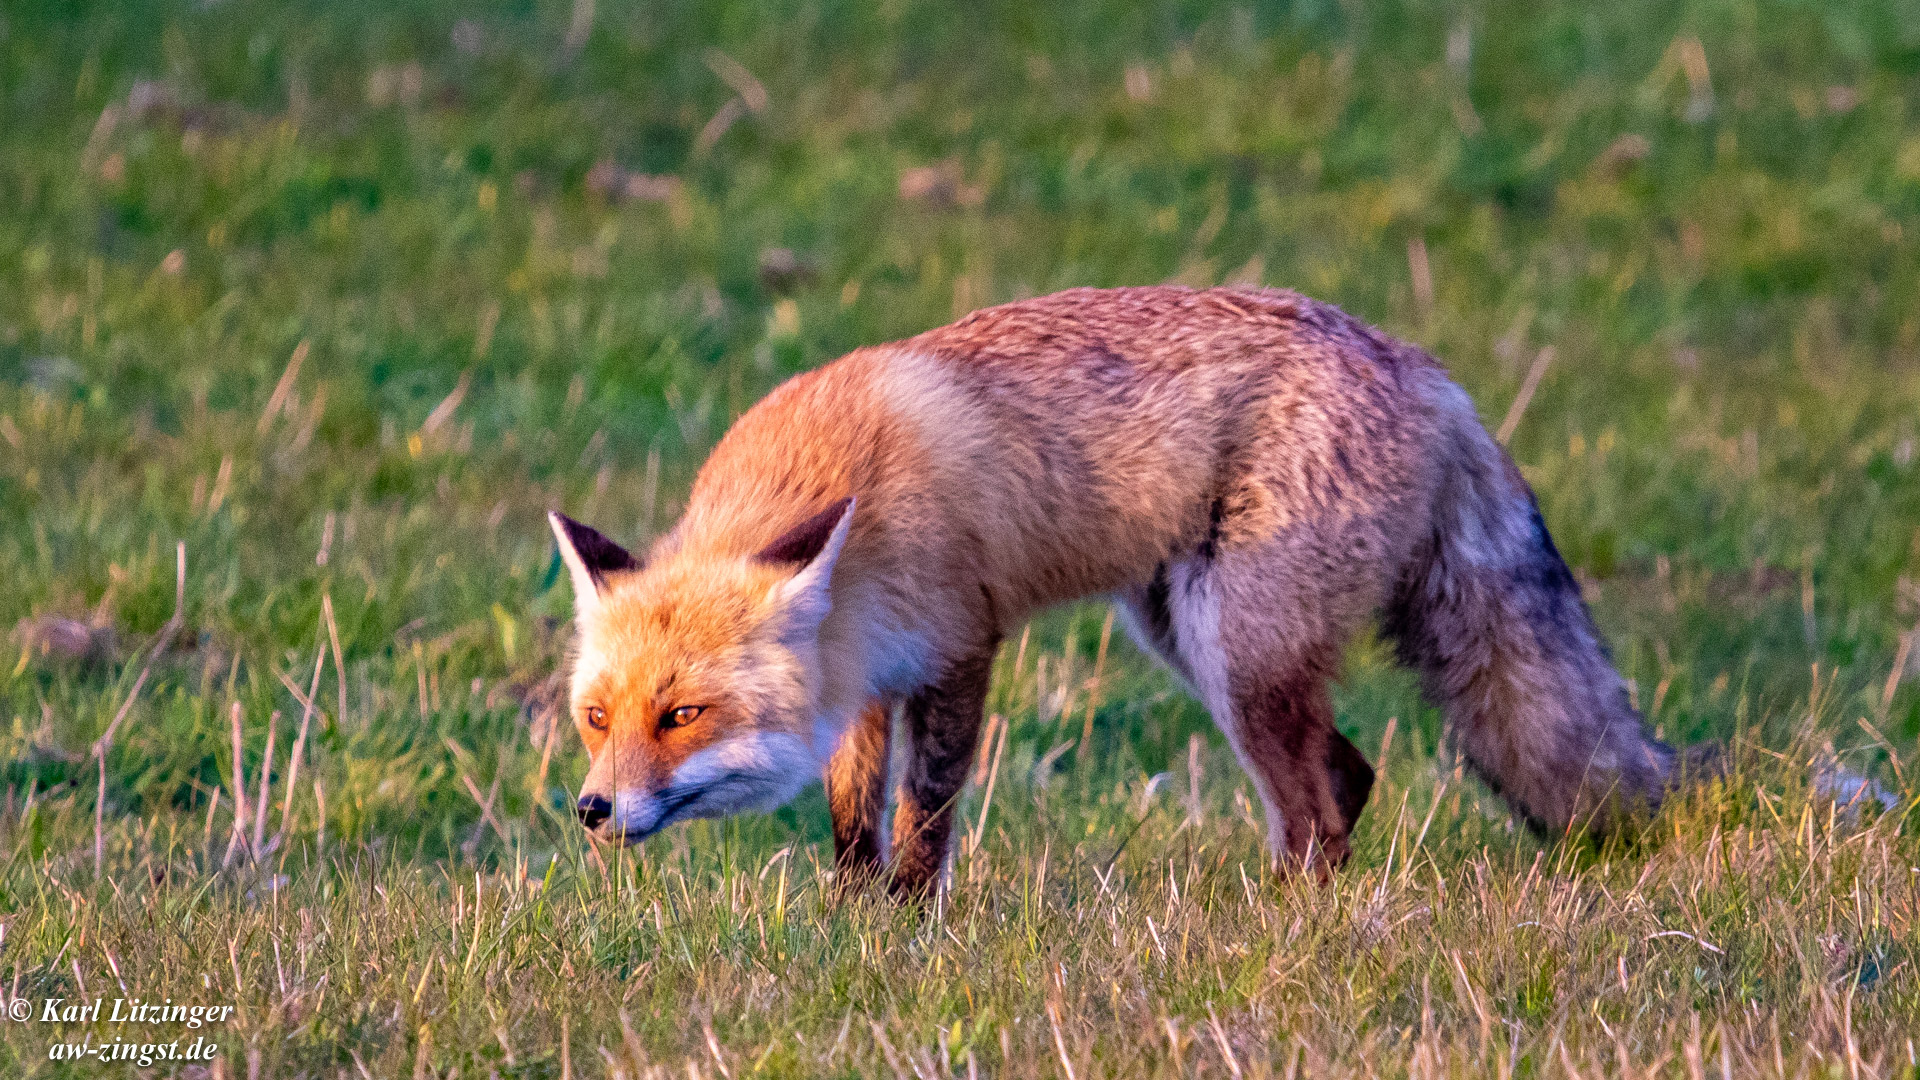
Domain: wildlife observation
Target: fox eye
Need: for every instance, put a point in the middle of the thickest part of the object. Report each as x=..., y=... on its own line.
x=680, y=717
x=597, y=718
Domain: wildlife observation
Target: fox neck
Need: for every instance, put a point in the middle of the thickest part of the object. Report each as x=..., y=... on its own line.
x=866, y=652
x=843, y=675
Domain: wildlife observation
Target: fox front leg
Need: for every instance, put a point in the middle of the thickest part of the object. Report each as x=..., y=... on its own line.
x=942, y=724
x=857, y=795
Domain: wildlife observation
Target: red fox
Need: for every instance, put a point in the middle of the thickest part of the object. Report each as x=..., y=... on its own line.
x=1248, y=473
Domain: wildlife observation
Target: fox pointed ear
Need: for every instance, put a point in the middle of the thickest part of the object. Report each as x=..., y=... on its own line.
x=812, y=546
x=590, y=558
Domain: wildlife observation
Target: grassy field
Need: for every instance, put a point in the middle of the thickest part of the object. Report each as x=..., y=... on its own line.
x=309, y=313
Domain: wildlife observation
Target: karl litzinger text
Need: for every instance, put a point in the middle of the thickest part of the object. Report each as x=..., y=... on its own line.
x=132, y=1011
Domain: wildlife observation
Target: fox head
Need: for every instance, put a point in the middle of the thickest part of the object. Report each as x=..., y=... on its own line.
x=696, y=679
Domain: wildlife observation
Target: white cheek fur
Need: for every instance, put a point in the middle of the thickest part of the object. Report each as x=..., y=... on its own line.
x=757, y=771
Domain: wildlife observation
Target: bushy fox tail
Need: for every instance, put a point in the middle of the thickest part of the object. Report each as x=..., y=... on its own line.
x=1488, y=613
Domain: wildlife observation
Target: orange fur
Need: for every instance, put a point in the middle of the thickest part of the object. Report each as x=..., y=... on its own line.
x=1250, y=473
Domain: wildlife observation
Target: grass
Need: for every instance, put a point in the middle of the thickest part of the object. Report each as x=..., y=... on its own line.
x=340, y=301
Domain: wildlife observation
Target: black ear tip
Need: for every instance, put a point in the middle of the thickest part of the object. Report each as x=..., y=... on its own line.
x=804, y=542
x=598, y=554
x=573, y=530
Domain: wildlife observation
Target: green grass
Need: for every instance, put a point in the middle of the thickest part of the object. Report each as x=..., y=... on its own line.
x=520, y=255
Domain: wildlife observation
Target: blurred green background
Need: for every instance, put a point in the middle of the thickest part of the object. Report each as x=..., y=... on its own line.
x=341, y=298
x=539, y=255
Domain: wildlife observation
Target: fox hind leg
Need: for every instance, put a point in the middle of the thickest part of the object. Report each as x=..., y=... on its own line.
x=1314, y=781
x=1259, y=649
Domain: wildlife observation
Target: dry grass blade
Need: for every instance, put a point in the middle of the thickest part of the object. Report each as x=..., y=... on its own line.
x=546, y=760
x=485, y=802
x=993, y=776
x=282, y=388
x=100, y=756
x=1059, y=1040
x=101, y=745
x=300, y=740
x=238, y=838
x=266, y=779
x=1421, y=270
x=339, y=662
x=1220, y=1039
x=1094, y=685
x=1703, y=943
x=1900, y=656
x=444, y=411
x=1527, y=387
x=736, y=76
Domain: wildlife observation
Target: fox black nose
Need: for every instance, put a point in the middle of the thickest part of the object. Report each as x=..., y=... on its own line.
x=593, y=810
